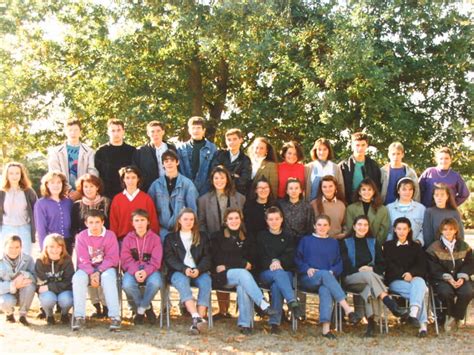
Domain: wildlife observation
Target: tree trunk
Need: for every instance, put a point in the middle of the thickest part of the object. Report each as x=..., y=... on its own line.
x=195, y=87
x=216, y=108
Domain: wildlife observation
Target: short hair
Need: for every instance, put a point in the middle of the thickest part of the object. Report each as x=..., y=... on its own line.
x=397, y=146
x=130, y=169
x=271, y=155
x=234, y=131
x=405, y=181
x=13, y=238
x=46, y=179
x=263, y=179
x=376, y=200
x=445, y=150
x=95, y=214
x=323, y=216
x=360, y=136
x=229, y=188
x=73, y=122
x=273, y=209
x=293, y=180
x=116, y=122
x=54, y=238
x=155, y=124
x=91, y=179
x=24, y=183
x=319, y=142
x=169, y=154
x=451, y=202
x=296, y=146
x=197, y=121
x=449, y=222
x=406, y=221
x=142, y=213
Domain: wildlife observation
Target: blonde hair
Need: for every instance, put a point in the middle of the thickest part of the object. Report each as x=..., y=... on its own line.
x=195, y=230
x=45, y=180
x=50, y=239
x=397, y=146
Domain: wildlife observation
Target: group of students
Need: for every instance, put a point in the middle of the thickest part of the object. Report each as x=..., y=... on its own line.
x=192, y=215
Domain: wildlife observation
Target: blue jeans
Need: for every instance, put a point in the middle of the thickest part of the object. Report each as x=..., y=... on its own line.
x=328, y=288
x=108, y=282
x=183, y=284
x=280, y=284
x=23, y=297
x=415, y=292
x=49, y=299
x=23, y=231
x=248, y=293
x=134, y=295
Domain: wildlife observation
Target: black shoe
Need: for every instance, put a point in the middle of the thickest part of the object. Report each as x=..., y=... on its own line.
x=105, y=312
x=98, y=311
x=370, y=331
x=11, y=318
x=24, y=321
x=296, y=310
x=50, y=320
x=41, y=314
x=275, y=329
x=413, y=322
x=220, y=316
x=354, y=318
x=422, y=334
x=150, y=316
x=330, y=335
x=58, y=309
x=245, y=330
x=393, y=307
x=65, y=319
x=269, y=311
x=139, y=319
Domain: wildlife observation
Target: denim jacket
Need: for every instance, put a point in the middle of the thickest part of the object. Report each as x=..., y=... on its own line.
x=26, y=266
x=415, y=214
x=168, y=207
x=201, y=180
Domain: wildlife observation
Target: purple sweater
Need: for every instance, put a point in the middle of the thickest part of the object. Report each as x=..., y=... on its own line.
x=451, y=178
x=96, y=253
x=141, y=253
x=52, y=217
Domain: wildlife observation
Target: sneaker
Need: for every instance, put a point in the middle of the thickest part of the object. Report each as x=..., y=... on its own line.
x=329, y=335
x=354, y=318
x=269, y=311
x=296, y=310
x=370, y=331
x=150, y=316
x=449, y=324
x=139, y=319
x=220, y=316
x=24, y=321
x=78, y=323
x=422, y=334
x=200, y=324
x=414, y=322
x=246, y=330
x=275, y=329
x=50, y=320
x=98, y=311
x=115, y=324
x=65, y=319
x=11, y=318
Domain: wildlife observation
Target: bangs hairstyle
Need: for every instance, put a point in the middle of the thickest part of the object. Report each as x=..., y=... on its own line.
x=197, y=121
x=195, y=230
x=352, y=232
x=74, y=122
x=234, y=131
x=403, y=220
x=46, y=179
x=323, y=216
x=169, y=154
x=319, y=200
x=94, y=213
x=24, y=183
x=319, y=142
x=396, y=146
x=450, y=203
x=155, y=124
x=142, y=213
x=49, y=240
x=91, y=179
x=444, y=150
x=130, y=169
x=229, y=188
x=262, y=179
x=405, y=181
x=376, y=199
x=274, y=209
x=292, y=181
x=227, y=231
x=451, y=222
x=271, y=155
x=360, y=136
x=115, y=122
x=11, y=239
x=296, y=146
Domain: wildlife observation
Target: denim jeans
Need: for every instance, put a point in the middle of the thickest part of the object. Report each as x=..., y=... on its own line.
x=23, y=297
x=328, y=289
x=23, y=231
x=108, y=282
x=183, y=284
x=248, y=293
x=49, y=299
x=134, y=295
x=280, y=284
x=414, y=291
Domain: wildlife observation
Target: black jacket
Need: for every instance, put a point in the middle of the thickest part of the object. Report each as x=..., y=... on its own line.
x=175, y=252
x=57, y=277
x=369, y=170
x=405, y=258
x=242, y=166
x=145, y=159
x=271, y=246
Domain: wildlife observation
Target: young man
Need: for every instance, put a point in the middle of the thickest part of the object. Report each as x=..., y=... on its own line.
x=97, y=253
x=112, y=156
x=234, y=160
x=171, y=193
x=196, y=155
x=359, y=166
x=148, y=157
x=392, y=172
x=73, y=158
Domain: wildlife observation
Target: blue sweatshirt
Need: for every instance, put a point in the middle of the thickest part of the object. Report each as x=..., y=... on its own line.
x=318, y=253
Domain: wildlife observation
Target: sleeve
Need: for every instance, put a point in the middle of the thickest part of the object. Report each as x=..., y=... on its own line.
x=156, y=257
x=40, y=220
x=250, y=252
x=192, y=197
x=273, y=178
x=98, y=163
x=111, y=251
x=379, y=266
x=287, y=256
x=30, y=267
x=83, y=259
x=129, y=264
x=468, y=263
x=5, y=285
x=384, y=224
x=392, y=268
x=347, y=267
x=340, y=180
x=40, y=274
x=462, y=191
x=422, y=186
x=309, y=219
x=301, y=265
x=53, y=160
x=419, y=268
x=91, y=163
x=202, y=210
x=461, y=227
x=114, y=218
x=243, y=181
x=336, y=266
x=414, y=177
x=66, y=282
x=205, y=263
x=349, y=218
x=172, y=260
x=264, y=258
x=435, y=267
x=428, y=230
x=151, y=209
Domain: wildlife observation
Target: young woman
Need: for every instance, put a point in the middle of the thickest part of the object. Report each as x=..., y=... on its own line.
x=369, y=204
x=444, y=207
x=405, y=270
x=442, y=173
x=131, y=199
x=330, y=202
x=17, y=280
x=321, y=165
x=451, y=263
x=141, y=260
x=363, y=271
x=233, y=258
x=264, y=163
x=188, y=258
x=54, y=271
x=53, y=211
x=291, y=167
x=17, y=200
x=275, y=251
x=299, y=215
x=319, y=263
x=405, y=206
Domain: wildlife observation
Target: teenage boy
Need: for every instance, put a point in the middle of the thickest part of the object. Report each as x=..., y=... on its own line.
x=73, y=158
x=394, y=171
x=171, y=193
x=234, y=160
x=196, y=155
x=112, y=156
x=148, y=157
x=97, y=254
x=359, y=166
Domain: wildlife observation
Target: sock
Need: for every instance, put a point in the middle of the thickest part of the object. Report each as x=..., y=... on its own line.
x=195, y=315
x=140, y=310
x=423, y=326
x=347, y=309
x=326, y=328
x=414, y=311
x=264, y=305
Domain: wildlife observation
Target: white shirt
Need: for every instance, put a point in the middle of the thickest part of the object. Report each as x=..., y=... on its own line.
x=256, y=163
x=159, y=152
x=131, y=196
x=233, y=157
x=187, y=239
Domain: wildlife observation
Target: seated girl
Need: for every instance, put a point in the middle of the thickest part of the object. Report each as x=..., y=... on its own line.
x=54, y=271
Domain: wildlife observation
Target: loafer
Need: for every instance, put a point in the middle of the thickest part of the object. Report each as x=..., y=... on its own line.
x=150, y=316
x=246, y=330
x=329, y=335
x=354, y=318
x=413, y=322
x=11, y=318
x=422, y=334
x=24, y=321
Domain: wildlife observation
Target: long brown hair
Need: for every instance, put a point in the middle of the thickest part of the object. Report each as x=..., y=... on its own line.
x=319, y=142
x=271, y=155
x=376, y=199
x=54, y=238
x=24, y=182
x=46, y=179
x=450, y=203
x=227, y=231
x=319, y=200
x=229, y=188
x=195, y=230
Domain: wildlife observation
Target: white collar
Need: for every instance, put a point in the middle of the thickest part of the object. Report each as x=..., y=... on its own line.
x=102, y=234
x=404, y=243
x=318, y=236
x=449, y=245
x=334, y=200
x=131, y=196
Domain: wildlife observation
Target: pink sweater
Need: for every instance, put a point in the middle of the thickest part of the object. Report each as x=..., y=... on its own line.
x=141, y=253
x=96, y=253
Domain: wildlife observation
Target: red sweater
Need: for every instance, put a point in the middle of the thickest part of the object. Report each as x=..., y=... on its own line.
x=121, y=213
x=285, y=171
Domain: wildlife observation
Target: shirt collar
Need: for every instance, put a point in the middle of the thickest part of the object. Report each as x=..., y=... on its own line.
x=404, y=243
x=102, y=234
x=334, y=200
x=131, y=196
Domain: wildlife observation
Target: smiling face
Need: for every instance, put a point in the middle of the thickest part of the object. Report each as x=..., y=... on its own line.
x=130, y=180
x=322, y=227
x=274, y=221
x=13, y=249
x=322, y=152
x=53, y=250
x=361, y=228
x=171, y=166
x=263, y=190
x=260, y=149
x=90, y=190
x=14, y=175
x=233, y=221
x=449, y=232
x=219, y=181
x=329, y=189
x=186, y=222
x=402, y=230
x=366, y=193
x=443, y=161
x=291, y=156
x=55, y=186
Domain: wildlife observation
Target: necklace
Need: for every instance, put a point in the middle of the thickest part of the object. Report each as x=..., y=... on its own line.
x=442, y=176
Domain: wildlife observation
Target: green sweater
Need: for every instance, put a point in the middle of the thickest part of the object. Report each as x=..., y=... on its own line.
x=379, y=221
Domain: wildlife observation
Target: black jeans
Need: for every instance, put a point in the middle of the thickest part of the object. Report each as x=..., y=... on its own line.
x=456, y=300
